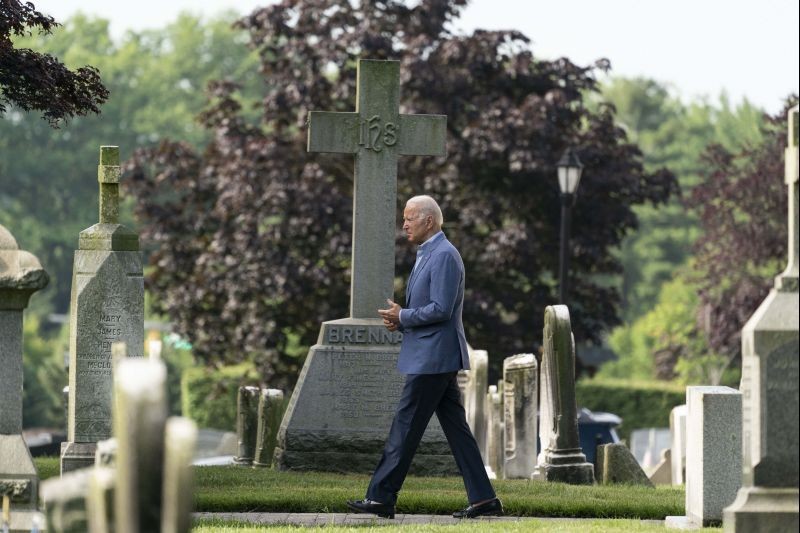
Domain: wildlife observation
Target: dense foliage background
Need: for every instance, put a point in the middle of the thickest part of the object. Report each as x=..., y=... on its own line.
x=247, y=236
x=253, y=234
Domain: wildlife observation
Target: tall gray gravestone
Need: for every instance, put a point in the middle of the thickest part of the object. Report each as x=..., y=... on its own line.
x=270, y=410
x=107, y=306
x=475, y=401
x=494, y=431
x=342, y=406
x=247, y=424
x=520, y=403
x=768, y=498
x=140, y=410
x=562, y=457
x=20, y=276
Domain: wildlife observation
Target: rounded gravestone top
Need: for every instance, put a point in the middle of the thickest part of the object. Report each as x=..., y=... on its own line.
x=7, y=241
x=19, y=270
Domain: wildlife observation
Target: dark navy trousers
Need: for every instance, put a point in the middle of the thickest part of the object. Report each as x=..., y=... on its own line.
x=423, y=395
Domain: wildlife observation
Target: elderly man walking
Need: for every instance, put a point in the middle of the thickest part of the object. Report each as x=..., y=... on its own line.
x=434, y=349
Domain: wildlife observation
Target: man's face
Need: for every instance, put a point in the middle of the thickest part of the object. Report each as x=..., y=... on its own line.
x=416, y=225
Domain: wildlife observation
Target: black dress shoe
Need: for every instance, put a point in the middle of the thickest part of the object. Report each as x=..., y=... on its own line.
x=384, y=510
x=490, y=508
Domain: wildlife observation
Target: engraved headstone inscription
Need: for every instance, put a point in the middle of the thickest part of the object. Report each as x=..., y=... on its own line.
x=107, y=306
x=340, y=410
x=768, y=498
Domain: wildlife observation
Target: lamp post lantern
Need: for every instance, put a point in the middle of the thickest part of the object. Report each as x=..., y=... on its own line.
x=569, y=175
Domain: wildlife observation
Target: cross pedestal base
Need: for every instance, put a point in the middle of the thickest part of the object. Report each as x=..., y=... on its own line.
x=341, y=409
x=763, y=509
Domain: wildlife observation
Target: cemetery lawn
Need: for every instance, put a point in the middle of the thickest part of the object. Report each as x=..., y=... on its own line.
x=239, y=489
x=549, y=526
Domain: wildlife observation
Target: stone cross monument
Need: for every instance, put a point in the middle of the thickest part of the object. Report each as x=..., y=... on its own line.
x=20, y=276
x=768, y=499
x=341, y=408
x=107, y=306
x=376, y=134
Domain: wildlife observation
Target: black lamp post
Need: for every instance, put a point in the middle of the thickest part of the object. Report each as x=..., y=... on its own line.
x=569, y=175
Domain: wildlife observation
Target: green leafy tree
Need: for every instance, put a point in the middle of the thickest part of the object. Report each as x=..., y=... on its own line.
x=666, y=344
x=34, y=81
x=43, y=376
x=742, y=205
x=674, y=135
x=49, y=186
x=253, y=233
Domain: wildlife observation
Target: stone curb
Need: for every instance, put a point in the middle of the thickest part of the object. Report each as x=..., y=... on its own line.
x=353, y=519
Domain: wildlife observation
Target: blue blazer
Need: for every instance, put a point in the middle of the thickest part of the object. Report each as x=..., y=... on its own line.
x=433, y=334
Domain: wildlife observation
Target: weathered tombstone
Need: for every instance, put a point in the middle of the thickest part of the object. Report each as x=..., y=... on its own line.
x=713, y=454
x=646, y=445
x=180, y=439
x=140, y=414
x=546, y=398
x=106, y=453
x=20, y=276
x=520, y=406
x=494, y=431
x=662, y=473
x=65, y=502
x=475, y=403
x=270, y=410
x=344, y=400
x=247, y=424
x=677, y=431
x=462, y=378
x=768, y=498
x=617, y=465
x=107, y=306
x=563, y=459
x=100, y=499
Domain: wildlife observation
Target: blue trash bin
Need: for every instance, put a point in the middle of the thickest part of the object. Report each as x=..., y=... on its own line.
x=595, y=429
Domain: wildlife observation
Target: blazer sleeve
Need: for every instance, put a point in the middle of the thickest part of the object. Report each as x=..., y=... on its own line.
x=445, y=282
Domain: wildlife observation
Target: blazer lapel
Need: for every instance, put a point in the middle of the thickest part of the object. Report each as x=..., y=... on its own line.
x=415, y=273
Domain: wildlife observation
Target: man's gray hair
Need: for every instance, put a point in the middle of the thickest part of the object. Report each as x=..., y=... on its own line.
x=427, y=206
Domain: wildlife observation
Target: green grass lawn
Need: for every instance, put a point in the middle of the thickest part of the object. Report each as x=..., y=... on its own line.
x=227, y=489
x=240, y=489
x=534, y=524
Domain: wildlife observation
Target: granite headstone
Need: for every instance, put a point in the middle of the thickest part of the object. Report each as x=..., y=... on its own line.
x=494, y=431
x=140, y=415
x=563, y=459
x=768, y=498
x=270, y=410
x=247, y=424
x=20, y=276
x=475, y=402
x=520, y=406
x=616, y=464
x=677, y=432
x=107, y=306
x=713, y=454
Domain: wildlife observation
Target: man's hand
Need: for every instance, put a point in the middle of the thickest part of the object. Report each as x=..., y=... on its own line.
x=391, y=316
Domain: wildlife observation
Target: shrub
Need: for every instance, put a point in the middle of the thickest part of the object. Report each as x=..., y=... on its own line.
x=209, y=395
x=639, y=404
